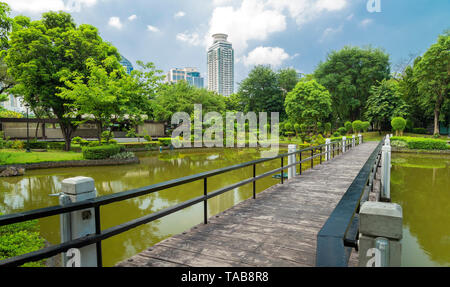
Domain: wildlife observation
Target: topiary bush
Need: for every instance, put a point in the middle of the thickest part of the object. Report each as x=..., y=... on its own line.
x=365, y=126
x=398, y=125
x=106, y=136
x=342, y=131
x=56, y=145
x=357, y=126
x=77, y=140
x=100, y=152
x=422, y=143
x=165, y=141
x=38, y=145
x=348, y=127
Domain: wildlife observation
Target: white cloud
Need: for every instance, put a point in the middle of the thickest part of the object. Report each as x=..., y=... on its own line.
x=350, y=17
x=273, y=56
x=192, y=39
x=152, y=28
x=115, y=22
x=221, y=2
x=132, y=17
x=179, y=14
x=330, y=31
x=253, y=20
x=39, y=6
x=366, y=22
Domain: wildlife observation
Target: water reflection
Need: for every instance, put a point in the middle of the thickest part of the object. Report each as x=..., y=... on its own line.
x=32, y=192
x=420, y=183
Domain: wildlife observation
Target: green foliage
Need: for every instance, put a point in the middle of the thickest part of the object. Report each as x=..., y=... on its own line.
x=336, y=134
x=124, y=155
x=423, y=143
x=147, y=146
x=365, y=126
x=56, y=145
x=10, y=114
x=349, y=74
x=318, y=140
x=398, y=125
x=287, y=80
x=38, y=145
x=385, y=102
x=131, y=133
x=21, y=238
x=342, y=131
x=165, y=141
x=148, y=138
x=327, y=128
x=348, y=127
x=18, y=144
x=4, y=141
x=308, y=103
x=288, y=127
x=77, y=140
x=100, y=152
x=357, y=126
x=420, y=131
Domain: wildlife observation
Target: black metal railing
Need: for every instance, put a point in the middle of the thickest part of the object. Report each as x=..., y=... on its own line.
x=96, y=203
x=339, y=234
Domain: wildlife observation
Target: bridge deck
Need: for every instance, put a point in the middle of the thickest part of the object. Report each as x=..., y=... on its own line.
x=279, y=228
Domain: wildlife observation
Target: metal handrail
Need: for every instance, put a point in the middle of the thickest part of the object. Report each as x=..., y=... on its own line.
x=339, y=234
x=96, y=203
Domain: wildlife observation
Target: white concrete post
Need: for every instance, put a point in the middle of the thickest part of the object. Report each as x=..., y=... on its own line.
x=386, y=173
x=327, y=149
x=381, y=231
x=353, y=141
x=79, y=223
x=291, y=160
x=360, y=138
x=344, y=142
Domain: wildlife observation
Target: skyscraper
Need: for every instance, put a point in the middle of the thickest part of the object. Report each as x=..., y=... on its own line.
x=126, y=64
x=190, y=75
x=221, y=65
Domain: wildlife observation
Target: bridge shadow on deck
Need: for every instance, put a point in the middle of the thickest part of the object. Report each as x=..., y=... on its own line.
x=279, y=228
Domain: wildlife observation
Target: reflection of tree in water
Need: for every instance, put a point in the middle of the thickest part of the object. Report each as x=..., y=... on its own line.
x=425, y=198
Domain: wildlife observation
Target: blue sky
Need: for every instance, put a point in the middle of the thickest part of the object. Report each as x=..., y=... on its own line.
x=282, y=33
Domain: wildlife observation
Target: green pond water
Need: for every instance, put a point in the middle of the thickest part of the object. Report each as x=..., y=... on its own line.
x=421, y=185
x=32, y=191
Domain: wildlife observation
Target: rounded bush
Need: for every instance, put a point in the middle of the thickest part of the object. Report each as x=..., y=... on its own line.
x=398, y=124
x=342, y=131
x=357, y=126
x=77, y=140
x=100, y=152
x=348, y=127
x=365, y=126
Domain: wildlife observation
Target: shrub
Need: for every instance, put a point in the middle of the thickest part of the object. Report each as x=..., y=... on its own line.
x=398, y=125
x=422, y=143
x=342, y=131
x=336, y=134
x=56, y=145
x=131, y=133
x=337, y=138
x=297, y=128
x=289, y=134
x=100, y=152
x=348, y=127
x=327, y=128
x=165, y=141
x=357, y=126
x=4, y=142
x=106, y=136
x=365, y=126
x=94, y=144
x=288, y=127
x=18, y=145
x=420, y=131
x=77, y=140
x=38, y=145
x=123, y=155
x=148, y=138
x=318, y=140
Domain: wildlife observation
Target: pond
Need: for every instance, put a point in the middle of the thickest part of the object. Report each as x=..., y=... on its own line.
x=421, y=185
x=32, y=191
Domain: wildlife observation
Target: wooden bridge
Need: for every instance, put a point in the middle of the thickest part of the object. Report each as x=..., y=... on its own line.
x=278, y=228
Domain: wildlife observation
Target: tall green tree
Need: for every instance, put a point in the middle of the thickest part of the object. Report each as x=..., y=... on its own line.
x=349, y=74
x=433, y=76
x=43, y=53
x=260, y=91
x=6, y=81
x=309, y=103
x=385, y=102
x=287, y=80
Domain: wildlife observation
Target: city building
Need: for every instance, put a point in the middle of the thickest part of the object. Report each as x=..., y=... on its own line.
x=190, y=75
x=126, y=64
x=13, y=104
x=221, y=66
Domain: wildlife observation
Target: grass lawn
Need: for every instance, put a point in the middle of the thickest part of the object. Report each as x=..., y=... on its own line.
x=11, y=156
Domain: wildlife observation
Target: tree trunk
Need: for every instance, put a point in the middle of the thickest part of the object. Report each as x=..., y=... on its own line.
x=99, y=132
x=437, y=113
x=67, y=131
x=36, y=131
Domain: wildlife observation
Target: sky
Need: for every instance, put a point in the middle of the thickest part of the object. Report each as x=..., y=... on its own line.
x=280, y=33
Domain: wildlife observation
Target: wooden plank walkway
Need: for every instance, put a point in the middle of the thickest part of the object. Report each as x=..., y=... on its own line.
x=279, y=228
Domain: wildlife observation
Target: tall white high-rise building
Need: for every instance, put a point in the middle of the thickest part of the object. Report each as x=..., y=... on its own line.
x=221, y=66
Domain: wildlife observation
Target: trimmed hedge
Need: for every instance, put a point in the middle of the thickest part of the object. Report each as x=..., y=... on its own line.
x=100, y=152
x=423, y=143
x=420, y=131
x=146, y=145
x=165, y=141
x=38, y=145
x=56, y=145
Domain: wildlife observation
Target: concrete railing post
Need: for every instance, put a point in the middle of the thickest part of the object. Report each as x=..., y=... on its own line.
x=79, y=223
x=327, y=149
x=385, y=194
x=291, y=160
x=353, y=141
x=344, y=143
x=381, y=231
x=360, y=138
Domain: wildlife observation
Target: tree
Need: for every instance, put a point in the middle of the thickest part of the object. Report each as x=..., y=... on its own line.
x=357, y=126
x=365, y=126
x=398, y=125
x=348, y=127
x=260, y=92
x=43, y=53
x=349, y=74
x=287, y=79
x=433, y=74
x=384, y=103
x=308, y=103
x=6, y=81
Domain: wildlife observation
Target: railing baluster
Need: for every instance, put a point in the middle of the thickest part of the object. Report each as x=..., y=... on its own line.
x=301, y=163
x=320, y=155
x=254, y=182
x=312, y=158
x=282, y=170
x=205, y=202
x=98, y=230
